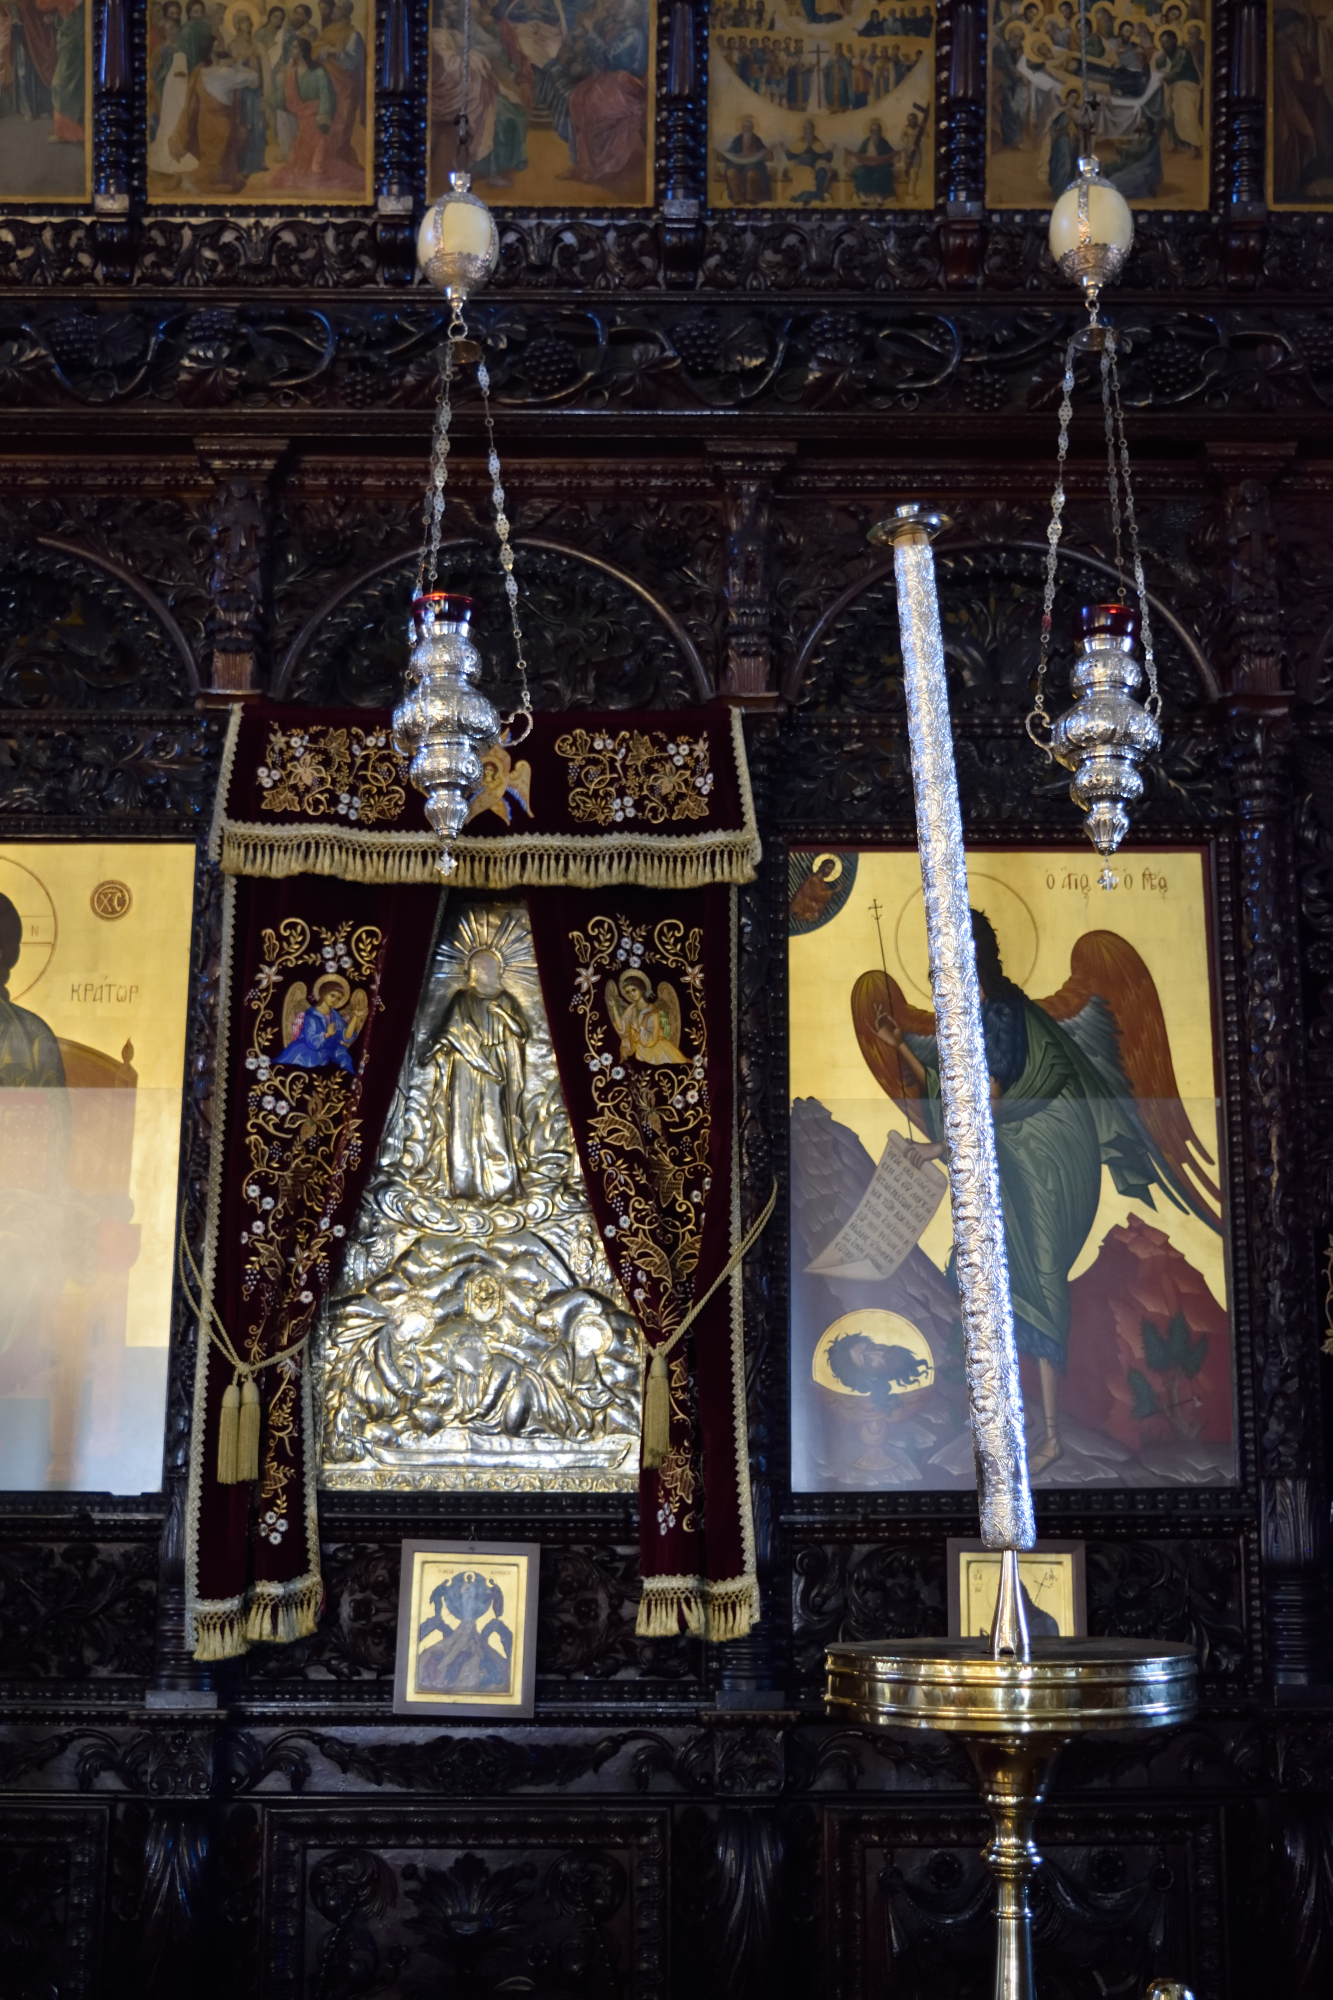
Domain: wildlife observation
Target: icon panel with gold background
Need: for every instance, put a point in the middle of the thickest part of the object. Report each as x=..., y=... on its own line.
x=1148, y=66
x=467, y=1631
x=94, y=979
x=560, y=100
x=817, y=104
x=1101, y=1046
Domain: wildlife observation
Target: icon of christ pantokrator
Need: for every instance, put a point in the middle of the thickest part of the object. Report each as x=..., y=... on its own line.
x=1078, y=1081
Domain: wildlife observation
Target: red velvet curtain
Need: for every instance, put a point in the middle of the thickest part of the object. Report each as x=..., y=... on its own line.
x=638, y=987
x=321, y=980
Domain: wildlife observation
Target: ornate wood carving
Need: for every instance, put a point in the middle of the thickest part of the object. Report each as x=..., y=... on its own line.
x=241, y=469
x=747, y=473
x=476, y=1898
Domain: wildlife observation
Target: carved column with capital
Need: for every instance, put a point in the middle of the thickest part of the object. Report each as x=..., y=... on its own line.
x=1246, y=210
x=1282, y=1291
x=242, y=470
x=682, y=181
x=112, y=145
x=395, y=121
x=747, y=473
x=965, y=144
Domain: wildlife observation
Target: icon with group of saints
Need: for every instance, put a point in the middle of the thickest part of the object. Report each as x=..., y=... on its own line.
x=1144, y=68
x=813, y=103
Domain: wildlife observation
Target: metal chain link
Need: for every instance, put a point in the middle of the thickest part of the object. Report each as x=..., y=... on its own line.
x=1038, y=718
x=463, y=150
x=432, y=517
x=524, y=708
x=1112, y=473
x=1154, y=702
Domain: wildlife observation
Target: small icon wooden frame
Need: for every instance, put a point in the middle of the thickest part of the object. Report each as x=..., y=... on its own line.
x=1054, y=1583
x=467, y=1629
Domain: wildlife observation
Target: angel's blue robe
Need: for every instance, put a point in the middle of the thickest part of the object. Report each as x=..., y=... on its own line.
x=1060, y=1117
x=319, y=1042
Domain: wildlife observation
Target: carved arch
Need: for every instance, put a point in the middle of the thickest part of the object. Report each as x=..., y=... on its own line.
x=120, y=676
x=289, y=675
x=796, y=674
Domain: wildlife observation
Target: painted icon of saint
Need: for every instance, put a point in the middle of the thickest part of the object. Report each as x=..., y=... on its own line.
x=1078, y=1081
x=29, y=1052
x=464, y=1660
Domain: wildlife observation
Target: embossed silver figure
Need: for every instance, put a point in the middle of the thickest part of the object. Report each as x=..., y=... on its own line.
x=995, y=1398
x=477, y=1338
x=443, y=721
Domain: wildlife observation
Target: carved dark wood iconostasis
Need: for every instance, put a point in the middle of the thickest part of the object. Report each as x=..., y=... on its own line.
x=213, y=438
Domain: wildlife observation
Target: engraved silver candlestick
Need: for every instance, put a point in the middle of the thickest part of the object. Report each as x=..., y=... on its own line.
x=1013, y=1703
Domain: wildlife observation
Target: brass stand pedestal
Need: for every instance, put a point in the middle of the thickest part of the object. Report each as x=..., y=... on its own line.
x=1014, y=1717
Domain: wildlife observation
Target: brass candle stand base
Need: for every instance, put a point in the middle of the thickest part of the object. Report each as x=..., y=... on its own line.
x=1014, y=1716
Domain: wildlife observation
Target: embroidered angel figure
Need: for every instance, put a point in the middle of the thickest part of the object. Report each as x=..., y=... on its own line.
x=647, y=1023
x=319, y=1028
x=501, y=781
x=1078, y=1081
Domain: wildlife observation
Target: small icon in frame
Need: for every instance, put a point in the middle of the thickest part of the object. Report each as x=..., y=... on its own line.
x=1052, y=1577
x=467, y=1628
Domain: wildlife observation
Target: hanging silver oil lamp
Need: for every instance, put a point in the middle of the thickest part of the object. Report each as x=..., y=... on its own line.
x=1104, y=738
x=444, y=721
x=1105, y=735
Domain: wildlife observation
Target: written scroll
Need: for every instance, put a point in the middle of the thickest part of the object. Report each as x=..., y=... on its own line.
x=889, y=1218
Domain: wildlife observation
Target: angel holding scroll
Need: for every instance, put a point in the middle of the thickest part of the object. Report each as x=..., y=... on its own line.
x=1078, y=1081
x=319, y=1027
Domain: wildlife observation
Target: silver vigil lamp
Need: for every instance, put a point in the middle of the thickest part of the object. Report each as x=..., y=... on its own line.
x=444, y=722
x=1105, y=736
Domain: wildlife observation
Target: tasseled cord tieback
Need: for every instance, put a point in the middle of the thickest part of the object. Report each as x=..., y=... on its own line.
x=657, y=1399
x=239, y=1417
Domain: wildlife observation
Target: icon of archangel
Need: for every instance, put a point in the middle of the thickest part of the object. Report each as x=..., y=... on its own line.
x=1110, y=1185
x=1078, y=1081
x=478, y=1337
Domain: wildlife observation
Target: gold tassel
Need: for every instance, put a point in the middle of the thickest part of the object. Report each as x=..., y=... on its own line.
x=656, y=1415
x=228, y=1428
x=247, y=1436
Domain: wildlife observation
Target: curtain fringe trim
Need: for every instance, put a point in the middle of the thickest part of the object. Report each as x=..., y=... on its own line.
x=717, y=1611
x=501, y=864
x=273, y=1614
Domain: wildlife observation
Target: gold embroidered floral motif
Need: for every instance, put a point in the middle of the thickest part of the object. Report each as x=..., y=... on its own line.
x=502, y=781
x=650, y=1129
x=678, y=1474
x=301, y=1138
x=350, y=774
x=631, y=778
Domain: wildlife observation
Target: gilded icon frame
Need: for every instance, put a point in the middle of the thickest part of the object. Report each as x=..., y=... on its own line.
x=478, y=1574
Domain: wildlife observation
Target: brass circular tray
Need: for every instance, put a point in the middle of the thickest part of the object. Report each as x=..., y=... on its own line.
x=1068, y=1686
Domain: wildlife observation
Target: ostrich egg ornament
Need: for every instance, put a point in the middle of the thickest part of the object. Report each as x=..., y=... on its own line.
x=458, y=244
x=1091, y=229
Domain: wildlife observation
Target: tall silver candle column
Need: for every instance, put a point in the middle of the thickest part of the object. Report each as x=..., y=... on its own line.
x=1012, y=1702
x=994, y=1393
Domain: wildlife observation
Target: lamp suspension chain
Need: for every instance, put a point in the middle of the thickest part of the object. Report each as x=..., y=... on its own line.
x=1108, y=733
x=1039, y=719
x=444, y=723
